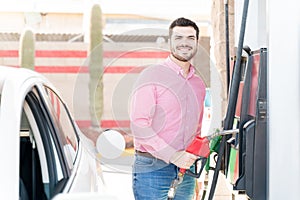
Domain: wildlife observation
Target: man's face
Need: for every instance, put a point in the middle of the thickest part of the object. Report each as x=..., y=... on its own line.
x=183, y=43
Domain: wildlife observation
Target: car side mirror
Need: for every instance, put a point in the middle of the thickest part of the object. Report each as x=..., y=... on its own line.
x=110, y=144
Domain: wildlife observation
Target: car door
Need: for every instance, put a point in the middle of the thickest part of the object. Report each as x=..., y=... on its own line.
x=48, y=144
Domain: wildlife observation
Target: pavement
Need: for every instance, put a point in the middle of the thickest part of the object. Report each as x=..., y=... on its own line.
x=117, y=175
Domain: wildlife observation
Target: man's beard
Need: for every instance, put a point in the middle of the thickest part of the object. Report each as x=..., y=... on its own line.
x=183, y=58
x=179, y=57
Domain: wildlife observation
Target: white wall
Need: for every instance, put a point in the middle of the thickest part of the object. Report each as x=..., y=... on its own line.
x=284, y=100
x=256, y=29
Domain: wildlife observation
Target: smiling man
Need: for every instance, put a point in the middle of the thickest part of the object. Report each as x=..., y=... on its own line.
x=166, y=115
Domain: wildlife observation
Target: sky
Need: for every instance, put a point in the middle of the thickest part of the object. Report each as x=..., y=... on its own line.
x=158, y=10
x=164, y=9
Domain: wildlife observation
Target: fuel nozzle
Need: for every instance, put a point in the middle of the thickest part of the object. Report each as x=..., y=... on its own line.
x=199, y=147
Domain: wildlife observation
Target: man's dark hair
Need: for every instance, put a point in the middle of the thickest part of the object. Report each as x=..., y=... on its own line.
x=183, y=22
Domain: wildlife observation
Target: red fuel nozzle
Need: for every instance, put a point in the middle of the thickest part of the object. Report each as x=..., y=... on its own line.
x=199, y=147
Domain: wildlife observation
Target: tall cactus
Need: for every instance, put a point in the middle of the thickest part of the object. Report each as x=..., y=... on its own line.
x=27, y=49
x=96, y=66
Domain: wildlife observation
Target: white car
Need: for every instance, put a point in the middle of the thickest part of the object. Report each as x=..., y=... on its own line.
x=42, y=151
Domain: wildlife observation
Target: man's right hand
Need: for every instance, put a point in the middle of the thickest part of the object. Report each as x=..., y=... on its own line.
x=183, y=159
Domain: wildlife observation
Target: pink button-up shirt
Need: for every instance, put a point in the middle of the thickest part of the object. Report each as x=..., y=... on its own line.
x=166, y=109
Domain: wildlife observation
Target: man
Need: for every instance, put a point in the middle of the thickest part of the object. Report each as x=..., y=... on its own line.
x=166, y=115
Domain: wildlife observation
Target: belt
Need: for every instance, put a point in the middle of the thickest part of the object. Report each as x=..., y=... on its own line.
x=145, y=154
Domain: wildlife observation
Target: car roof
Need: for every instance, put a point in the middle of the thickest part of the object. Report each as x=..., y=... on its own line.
x=22, y=73
x=18, y=75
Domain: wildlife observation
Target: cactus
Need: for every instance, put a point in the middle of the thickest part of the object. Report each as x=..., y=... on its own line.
x=96, y=66
x=27, y=49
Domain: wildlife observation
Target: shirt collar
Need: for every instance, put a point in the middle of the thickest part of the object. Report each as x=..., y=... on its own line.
x=170, y=63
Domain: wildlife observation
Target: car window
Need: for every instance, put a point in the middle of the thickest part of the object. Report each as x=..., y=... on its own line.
x=33, y=172
x=47, y=137
x=64, y=122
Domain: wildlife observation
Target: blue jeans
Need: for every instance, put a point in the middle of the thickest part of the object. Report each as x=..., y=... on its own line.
x=152, y=178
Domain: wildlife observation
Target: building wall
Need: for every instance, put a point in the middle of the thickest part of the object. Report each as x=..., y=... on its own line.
x=11, y=22
x=65, y=65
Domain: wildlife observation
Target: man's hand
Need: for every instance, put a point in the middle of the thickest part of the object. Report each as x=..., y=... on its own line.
x=183, y=159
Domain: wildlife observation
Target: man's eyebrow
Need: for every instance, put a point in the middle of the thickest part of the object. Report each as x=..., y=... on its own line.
x=183, y=35
x=188, y=36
